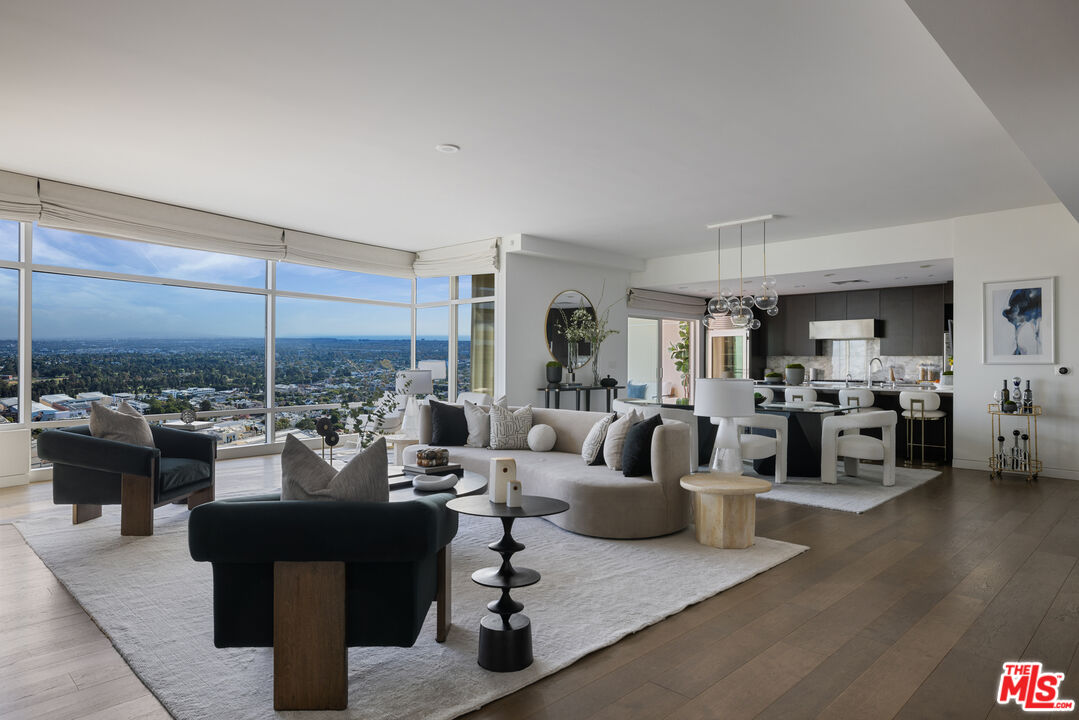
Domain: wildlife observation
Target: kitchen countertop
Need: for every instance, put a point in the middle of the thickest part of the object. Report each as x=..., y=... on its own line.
x=837, y=386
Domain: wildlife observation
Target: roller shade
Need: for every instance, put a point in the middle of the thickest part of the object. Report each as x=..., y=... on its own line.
x=18, y=197
x=474, y=258
x=70, y=207
x=307, y=249
x=667, y=304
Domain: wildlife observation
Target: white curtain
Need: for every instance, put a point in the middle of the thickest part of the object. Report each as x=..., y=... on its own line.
x=473, y=258
x=18, y=197
x=301, y=247
x=71, y=207
x=672, y=305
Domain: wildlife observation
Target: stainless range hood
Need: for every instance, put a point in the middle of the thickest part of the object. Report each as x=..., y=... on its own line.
x=844, y=329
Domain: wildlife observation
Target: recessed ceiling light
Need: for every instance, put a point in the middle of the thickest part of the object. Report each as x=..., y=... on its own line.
x=925, y=266
x=930, y=274
x=448, y=148
x=901, y=277
x=828, y=274
x=683, y=287
x=799, y=286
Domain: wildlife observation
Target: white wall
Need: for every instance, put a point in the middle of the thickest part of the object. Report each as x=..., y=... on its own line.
x=526, y=286
x=14, y=456
x=1011, y=245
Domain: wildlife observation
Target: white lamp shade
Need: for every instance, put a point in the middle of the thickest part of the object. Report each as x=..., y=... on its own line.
x=723, y=397
x=437, y=368
x=421, y=382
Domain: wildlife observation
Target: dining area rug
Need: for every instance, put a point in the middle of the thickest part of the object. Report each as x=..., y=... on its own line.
x=849, y=494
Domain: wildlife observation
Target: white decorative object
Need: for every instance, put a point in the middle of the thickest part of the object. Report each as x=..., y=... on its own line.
x=503, y=470
x=723, y=400
x=513, y=493
x=541, y=438
x=434, y=482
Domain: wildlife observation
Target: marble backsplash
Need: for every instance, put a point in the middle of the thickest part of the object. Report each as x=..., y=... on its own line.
x=851, y=356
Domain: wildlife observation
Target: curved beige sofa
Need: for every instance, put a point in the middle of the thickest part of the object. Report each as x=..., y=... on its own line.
x=603, y=502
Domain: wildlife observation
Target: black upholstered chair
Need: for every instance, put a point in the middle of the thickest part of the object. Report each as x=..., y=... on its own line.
x=88, y=472
x=311, y=579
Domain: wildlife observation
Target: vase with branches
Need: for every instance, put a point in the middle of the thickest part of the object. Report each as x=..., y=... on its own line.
x=586, y=325
x=369, y=423
x=680, y=354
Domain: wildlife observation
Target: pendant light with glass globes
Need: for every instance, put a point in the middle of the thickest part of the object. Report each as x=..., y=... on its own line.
x=737, y=310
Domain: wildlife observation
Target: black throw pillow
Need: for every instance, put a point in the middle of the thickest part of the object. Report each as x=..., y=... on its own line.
x=637, y=452
x=448, y=424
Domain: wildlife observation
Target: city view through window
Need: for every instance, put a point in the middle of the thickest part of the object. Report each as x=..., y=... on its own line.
x=187, y=329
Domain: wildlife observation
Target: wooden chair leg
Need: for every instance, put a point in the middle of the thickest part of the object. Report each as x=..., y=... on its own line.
x=310, y=661
x=136, y=505
x=83, y=512
x=444, y=598
x=199, y=497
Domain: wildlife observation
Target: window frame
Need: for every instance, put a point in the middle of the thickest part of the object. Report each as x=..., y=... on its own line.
x=25, y=267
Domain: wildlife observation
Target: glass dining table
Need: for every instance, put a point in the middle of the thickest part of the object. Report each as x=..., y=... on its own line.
x=804, y=420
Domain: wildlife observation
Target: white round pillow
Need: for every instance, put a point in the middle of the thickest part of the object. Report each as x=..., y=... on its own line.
x=541, y=438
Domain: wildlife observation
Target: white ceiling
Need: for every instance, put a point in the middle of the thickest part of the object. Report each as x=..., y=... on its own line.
x=1022, y=58
x=620, y=124
x=927, y=272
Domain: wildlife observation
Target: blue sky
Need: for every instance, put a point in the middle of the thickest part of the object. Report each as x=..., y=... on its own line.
x=75, y=307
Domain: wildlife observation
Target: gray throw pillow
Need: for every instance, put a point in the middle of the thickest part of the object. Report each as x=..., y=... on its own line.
x=306, y=476
x=509, y=430
x=127, y=425
x=616, y=438
x=478, y=419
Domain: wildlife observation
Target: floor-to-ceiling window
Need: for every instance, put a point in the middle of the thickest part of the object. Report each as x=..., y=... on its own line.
x=662, y=359
x=259, y=347
x=9, y=323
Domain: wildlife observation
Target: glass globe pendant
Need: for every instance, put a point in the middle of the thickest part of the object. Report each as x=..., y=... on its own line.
x=767, y=298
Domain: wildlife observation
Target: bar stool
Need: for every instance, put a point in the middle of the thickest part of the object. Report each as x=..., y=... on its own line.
x=800, y=394
x=860, y=398
x=922, y=406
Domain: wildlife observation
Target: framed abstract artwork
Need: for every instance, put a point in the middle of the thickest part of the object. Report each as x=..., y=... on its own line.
x=1018, y=322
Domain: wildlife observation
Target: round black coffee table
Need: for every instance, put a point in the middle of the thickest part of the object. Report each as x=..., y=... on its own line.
x=471, y=483
x=506, y=636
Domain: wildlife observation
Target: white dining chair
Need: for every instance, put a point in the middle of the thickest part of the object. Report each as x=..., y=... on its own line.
x=921, y=406
x=800, y=394
x=841, y=438
x=759, y=447
x=861, y=398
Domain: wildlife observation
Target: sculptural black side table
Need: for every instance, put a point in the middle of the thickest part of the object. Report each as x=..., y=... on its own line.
x=506, y=636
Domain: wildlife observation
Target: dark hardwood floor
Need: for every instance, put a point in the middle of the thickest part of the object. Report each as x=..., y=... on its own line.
x=905, y=611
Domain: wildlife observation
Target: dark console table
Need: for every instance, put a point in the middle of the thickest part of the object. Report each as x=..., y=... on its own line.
x=579, y=390
x=506, y=636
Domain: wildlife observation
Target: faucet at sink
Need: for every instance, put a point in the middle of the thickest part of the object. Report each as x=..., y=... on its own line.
x=869, y=372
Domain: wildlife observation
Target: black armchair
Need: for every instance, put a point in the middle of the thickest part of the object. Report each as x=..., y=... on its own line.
x=89, y=472
x=311, y=579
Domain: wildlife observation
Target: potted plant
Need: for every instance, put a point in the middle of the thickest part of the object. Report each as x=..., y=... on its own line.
x=757, y=398
x=946, y=378
x=584, y=325
x=680, y=354
x=554, y=372
x=772, y=377
x=796, y=374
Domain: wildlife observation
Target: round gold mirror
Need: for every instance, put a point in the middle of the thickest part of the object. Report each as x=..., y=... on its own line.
x=573, y=353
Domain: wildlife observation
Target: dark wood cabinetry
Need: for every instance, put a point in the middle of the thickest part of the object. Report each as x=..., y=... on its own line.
x=897, y=312
x=830, y=306
x=912, y=319
x=796, y=328
x=928, y=320
x=862, y=304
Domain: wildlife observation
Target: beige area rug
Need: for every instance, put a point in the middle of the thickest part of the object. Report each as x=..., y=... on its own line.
x=155, y=605
x=849, y=494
